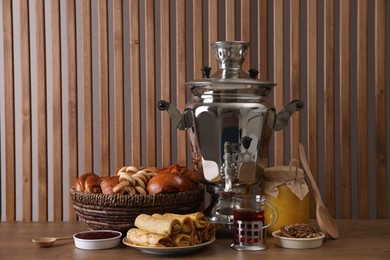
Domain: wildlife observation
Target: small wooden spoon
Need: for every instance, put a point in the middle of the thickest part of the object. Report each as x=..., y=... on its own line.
x=325, y=220
x=48, y=241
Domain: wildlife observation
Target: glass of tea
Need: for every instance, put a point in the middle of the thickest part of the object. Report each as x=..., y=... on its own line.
x=249, y=229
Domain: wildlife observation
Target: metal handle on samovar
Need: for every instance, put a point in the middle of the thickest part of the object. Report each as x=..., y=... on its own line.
x=178, y=120
x=281, y=119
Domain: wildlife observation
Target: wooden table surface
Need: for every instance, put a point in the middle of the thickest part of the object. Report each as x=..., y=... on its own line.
x=359, y=239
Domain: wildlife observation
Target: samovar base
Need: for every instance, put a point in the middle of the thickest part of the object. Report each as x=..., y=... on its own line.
x=220, y=210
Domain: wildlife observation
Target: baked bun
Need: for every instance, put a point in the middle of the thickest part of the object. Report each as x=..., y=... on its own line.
x=183, y=171
x=88, y=183
x=139, y=180
x=165, y=182
x=191, y=175
x=108, y=183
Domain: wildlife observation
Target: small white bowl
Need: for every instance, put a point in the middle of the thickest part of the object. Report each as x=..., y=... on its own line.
x=97, y=239
x=297, y=243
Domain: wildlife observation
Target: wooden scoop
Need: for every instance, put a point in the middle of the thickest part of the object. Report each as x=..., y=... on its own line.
x=325, y=220
x=48, y=241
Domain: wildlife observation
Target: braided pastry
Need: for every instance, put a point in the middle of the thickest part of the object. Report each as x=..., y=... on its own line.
x=133, y=180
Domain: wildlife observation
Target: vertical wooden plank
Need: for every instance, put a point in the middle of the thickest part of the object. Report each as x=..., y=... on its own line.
x=9, y=111
x=263, y=39
x=197, y=38
x=312, y=107
x=277, y=77
x=245, y=21
x=380, y=108
x=135, y=93
x=26, y=109
x=86, y=70
x=295, y=68
x=312, y=86
x=57, y=161
x=72, y=99
x=164, y=67
x=180, y=30
x=230, y=20
x=103, y=91
x=212, y=25
x=245, y=27
x=118, y=84
x=150, y=69
x=387, y=102
x=329, y=92
x=41, y=111
x=362, y=103
x=212, y=18
x=345, y=118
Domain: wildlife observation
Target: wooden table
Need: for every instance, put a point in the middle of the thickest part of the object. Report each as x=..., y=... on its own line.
x=359, y=239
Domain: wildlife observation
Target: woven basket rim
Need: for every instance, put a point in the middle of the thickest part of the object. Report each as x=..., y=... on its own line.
x=137, y=201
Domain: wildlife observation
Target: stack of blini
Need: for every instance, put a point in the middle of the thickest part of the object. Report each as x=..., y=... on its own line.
x=171, y=230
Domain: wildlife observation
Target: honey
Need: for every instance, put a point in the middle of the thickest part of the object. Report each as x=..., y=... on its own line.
x=287, y=189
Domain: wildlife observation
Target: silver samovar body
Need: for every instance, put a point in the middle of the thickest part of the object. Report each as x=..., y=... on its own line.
x=229, y=123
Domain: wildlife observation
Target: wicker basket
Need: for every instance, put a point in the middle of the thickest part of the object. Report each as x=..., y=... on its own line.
x=118, y=212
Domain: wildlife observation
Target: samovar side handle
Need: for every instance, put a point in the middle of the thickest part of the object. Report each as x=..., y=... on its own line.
x=282, y=118
x=178, y=120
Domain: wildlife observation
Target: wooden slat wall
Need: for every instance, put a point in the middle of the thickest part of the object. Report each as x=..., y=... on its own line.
x=54, y=102
x=79, y=82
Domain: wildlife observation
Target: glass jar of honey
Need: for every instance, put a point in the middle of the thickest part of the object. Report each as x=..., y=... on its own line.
x=286, y=188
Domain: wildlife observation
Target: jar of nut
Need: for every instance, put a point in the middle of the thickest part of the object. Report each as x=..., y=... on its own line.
x=285, y=186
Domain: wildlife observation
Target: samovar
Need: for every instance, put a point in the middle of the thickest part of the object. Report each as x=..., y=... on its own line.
x=229, y=122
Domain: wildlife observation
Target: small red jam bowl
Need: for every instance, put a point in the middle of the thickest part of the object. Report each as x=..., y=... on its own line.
x=97, y=239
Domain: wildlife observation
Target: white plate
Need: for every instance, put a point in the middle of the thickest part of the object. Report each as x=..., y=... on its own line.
x=167, y=250
x=297, y=243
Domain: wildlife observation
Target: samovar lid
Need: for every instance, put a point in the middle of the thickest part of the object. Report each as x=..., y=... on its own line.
x=230, y=56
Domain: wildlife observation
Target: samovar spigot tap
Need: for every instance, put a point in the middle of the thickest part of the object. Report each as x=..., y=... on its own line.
x=229, y=167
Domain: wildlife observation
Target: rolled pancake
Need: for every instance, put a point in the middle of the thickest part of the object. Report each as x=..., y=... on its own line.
x=181, y=240
x=186, y=221
x=196, y=237
x=199, y=220
x=208, y=232
x=144, y=238
x=165, y=227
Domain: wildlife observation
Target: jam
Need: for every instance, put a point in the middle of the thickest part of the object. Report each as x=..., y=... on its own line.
x=97, y=235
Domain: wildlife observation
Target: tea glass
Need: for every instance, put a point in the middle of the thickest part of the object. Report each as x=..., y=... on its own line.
x=249, y=229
